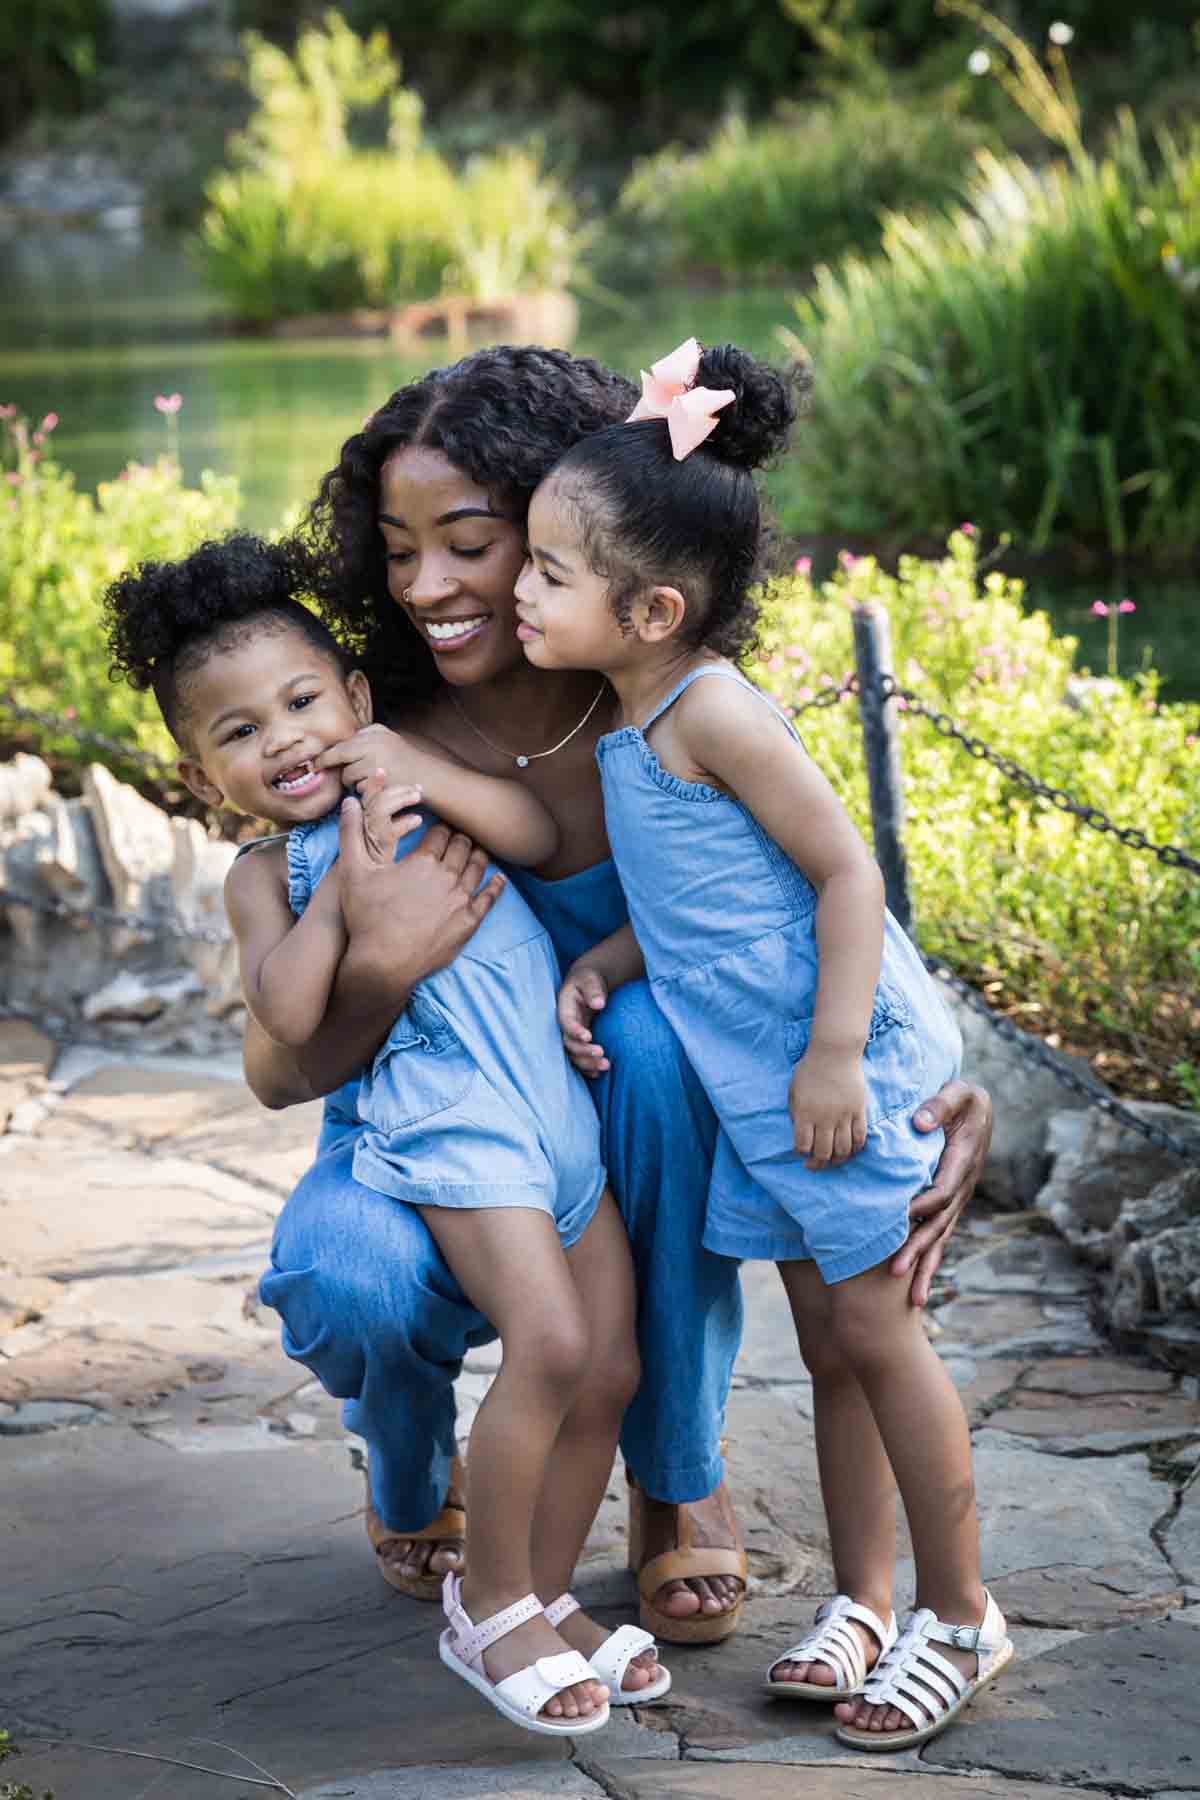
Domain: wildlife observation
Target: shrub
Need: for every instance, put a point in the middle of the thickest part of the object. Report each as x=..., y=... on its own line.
x=1032, y=361
x=802, y=189
x=306, y=221
x=59, y=549
x=1078, y=937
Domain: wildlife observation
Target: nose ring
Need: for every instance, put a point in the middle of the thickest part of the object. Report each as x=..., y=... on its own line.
x=406, y=595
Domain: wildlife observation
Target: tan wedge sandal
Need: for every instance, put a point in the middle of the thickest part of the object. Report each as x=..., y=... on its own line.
x=449, y=1526
x=687, y=1562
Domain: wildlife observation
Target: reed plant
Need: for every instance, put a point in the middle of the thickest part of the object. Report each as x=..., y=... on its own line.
x=816, y=181
x=1030, y=359
x=309, y=220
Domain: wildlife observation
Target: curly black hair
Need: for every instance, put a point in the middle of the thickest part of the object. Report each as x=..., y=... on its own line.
x=163, y=619
x=503, y=416
x=696, y=525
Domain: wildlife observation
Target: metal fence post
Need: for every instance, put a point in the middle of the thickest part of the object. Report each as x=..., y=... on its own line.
x=881, y=752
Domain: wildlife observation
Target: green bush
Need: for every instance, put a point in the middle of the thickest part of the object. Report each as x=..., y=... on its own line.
x=50, y=51
x=1080, y=938
x=308, y=221
x=59, y=549
x=1032, y=361
x=802, y=189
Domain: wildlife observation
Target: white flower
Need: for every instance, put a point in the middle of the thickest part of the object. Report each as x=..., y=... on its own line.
x=979, y=62
x=1061, y=33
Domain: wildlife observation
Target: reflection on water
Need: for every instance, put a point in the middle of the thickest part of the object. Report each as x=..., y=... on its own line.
x=93, y=327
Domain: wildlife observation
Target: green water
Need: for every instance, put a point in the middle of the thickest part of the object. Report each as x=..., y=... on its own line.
x=93, y=329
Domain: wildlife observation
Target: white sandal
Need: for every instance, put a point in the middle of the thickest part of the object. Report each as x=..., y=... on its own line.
x=923, y=1685
x=522, y=1696
x=833, y=1641
x=614, y=1656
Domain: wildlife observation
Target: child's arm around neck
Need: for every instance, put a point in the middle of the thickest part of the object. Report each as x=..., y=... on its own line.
x=288, y=965
x=494, y=810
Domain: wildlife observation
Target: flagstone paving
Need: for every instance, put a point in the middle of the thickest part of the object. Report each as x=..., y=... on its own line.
x=185, y=1574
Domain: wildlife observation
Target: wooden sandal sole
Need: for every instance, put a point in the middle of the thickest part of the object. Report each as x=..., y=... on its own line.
x=687, y=1562
x=450, y=1524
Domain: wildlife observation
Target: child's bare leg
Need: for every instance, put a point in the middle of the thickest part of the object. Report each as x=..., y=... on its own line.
x=581, y=1462
x=924, y=1431
x=857, y=1484
x=503, y=1258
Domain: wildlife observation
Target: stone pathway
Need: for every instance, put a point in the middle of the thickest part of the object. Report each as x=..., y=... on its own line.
x=185, y=1572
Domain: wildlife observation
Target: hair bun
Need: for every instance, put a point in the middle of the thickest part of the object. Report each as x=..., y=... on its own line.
x=755, y=428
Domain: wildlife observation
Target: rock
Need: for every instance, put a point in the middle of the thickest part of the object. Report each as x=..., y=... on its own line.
x=1100, y=1165
x=132, y=996
x=31, y=1416
x=1025, y=1096
x=136, y=843
x=25, y=786
x=1024, y=1264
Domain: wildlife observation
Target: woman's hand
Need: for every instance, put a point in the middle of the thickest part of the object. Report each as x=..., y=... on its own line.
x=828, y=1101
x=964, y=1111
x=582, y=995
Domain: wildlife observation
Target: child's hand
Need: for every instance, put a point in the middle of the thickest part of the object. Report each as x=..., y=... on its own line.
x=828, y=1101
x=373, y=749
x=385, y=820
x=581, y=996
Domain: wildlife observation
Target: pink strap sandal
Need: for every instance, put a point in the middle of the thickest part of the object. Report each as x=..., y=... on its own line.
x=610, y=1661
x=520, y=1697
x=922, y=1685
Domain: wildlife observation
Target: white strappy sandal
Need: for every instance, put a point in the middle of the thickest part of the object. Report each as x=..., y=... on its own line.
x=922, y=1685
x=520, y=1697
x=834, y=1642
x=614, y=1656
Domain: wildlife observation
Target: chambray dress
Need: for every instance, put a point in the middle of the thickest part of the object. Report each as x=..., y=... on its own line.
x=726, y=921
x=471, y=1101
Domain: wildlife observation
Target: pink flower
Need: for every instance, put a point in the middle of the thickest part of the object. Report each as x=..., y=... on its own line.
x=967, y=529
x=1127, y=606
x=775, y=663
x=50, y=421
x=1190, y=741
x=168, y=403
x=8, y=412
x=803, y=565
x=804, y=693
x=847, y=558
x=798, y=654
x=1099, y=608
x=825, y=680
x=13, y=479
x=70, y=712
x=39, y=437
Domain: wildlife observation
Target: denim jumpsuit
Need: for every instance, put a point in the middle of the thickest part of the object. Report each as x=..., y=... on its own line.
x=725, y=920
x=370, y=1306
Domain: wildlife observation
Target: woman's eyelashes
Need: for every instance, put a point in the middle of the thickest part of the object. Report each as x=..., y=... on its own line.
x=469, y=551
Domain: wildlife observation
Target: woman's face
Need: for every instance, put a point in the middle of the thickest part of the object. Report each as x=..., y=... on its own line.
x=452, y=564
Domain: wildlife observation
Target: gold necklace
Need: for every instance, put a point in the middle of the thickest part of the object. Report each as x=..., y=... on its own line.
x=523, y=762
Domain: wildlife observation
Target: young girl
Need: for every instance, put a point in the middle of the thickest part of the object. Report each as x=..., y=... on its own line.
x=474, y=1114
x=806, y=1012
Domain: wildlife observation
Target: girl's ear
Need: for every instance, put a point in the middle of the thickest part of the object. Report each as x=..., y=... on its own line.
x=659, y=614
x=191, y=773
x=359, y=690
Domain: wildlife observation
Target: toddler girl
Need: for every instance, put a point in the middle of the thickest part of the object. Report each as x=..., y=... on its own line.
x=804, y=1009
x=472, y=1112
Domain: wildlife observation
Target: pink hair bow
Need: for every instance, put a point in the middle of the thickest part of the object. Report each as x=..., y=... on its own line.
x=669, y=392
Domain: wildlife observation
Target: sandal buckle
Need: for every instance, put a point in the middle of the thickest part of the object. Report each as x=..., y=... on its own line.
x=965, y=1637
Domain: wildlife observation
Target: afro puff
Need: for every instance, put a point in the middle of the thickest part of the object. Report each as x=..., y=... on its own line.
x=163, y=619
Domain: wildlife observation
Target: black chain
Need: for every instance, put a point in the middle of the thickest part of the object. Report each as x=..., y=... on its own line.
x=161, y=927
x=1036, y=1051
x=829, y=698
x=1088, y=815
x=128, y=753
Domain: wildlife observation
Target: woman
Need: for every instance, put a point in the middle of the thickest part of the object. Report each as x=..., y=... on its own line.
x=418, y=539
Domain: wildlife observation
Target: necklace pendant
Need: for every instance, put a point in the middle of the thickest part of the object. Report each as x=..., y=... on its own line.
x=522, y=762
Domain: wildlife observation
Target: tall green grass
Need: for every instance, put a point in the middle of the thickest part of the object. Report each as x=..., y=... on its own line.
x=308, y=219
x=804, y=188
x=1031, y=361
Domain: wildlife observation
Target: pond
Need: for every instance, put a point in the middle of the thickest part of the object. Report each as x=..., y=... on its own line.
x=93, y=327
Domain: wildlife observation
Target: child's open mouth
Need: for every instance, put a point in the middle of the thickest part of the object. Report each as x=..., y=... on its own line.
x=301, y=778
